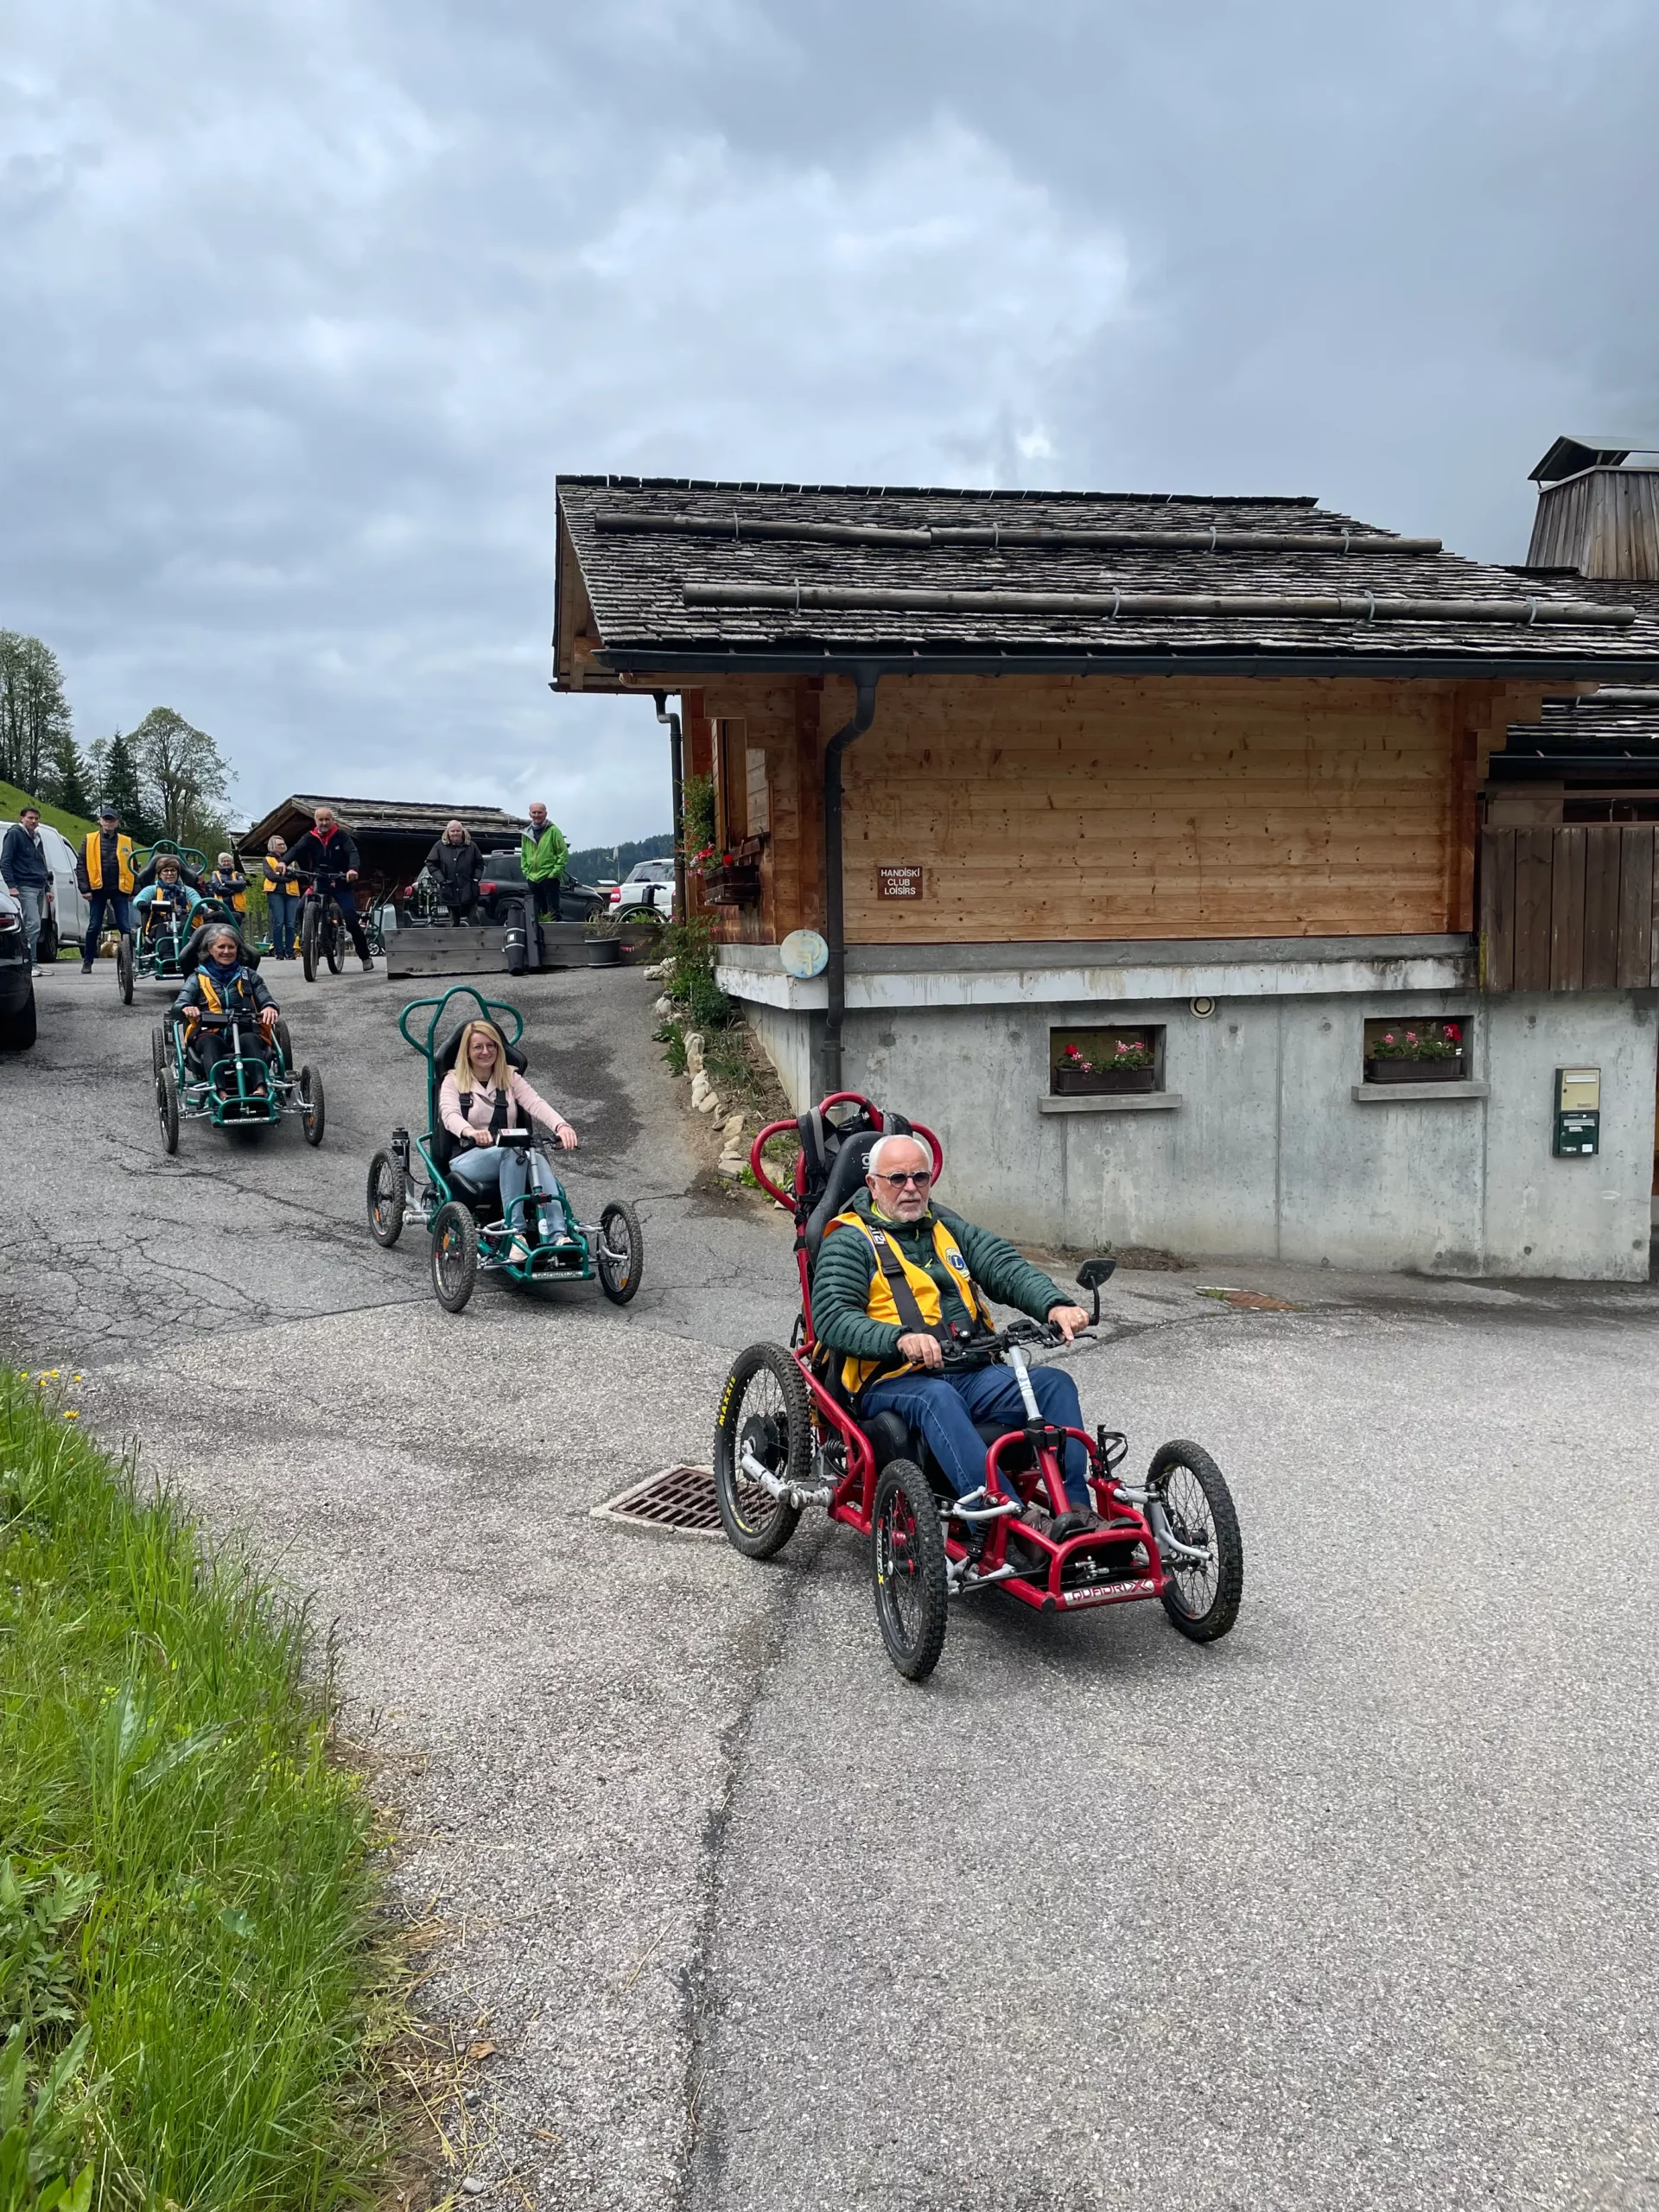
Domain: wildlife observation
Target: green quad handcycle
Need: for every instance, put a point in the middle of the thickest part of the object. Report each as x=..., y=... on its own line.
x=167, y=955
x=226, y=1083
x=469, y=1232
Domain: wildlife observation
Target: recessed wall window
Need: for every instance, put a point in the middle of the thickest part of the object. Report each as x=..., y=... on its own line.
x=1416, y=1048
x=1084, y=1061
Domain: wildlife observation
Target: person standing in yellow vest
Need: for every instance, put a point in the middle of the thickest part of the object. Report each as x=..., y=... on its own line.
x=282, y=899
x=895, y=1276
x=105, y=873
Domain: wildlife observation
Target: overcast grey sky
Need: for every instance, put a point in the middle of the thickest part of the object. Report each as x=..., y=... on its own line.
x=306, y=302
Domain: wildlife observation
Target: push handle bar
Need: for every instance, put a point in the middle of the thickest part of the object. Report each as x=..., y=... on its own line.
x=790, y=1200
x=489, y=1010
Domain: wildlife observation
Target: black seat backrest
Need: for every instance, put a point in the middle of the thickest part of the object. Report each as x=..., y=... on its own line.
x=835, y=1152
x=846, y=1181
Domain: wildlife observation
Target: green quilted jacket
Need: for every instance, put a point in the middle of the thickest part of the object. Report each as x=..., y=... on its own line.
x=840, y=1280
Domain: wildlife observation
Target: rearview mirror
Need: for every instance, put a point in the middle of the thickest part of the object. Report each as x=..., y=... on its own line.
x=1092, y=1273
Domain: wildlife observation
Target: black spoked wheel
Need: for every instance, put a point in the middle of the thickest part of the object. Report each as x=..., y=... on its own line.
x=167, y=1107
x=123, y=967
x=907, y=1555
x=388, y=1194
x=311, y=1105
x=764, y=1417
x=621, y=1255
x=334, y=944
x=308, y=941
x=1190, y=1497
x=454, y=1255
x=158, y=1053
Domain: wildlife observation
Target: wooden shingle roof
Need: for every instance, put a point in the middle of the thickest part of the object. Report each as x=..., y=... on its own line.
x=680, y=576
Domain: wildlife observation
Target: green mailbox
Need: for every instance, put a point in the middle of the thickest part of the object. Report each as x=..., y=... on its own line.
x=1578, y=1112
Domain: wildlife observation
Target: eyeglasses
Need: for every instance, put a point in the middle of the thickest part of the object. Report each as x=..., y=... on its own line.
x=921, y=1177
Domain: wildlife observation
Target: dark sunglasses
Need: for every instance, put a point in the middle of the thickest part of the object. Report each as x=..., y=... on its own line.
x=919, y=1177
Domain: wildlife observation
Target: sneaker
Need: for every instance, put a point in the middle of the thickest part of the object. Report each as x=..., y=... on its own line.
x=368, y=967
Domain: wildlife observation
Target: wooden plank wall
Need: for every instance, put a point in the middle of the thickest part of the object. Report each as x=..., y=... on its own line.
x=1062, y=808
x=1569, y=909
x=1055, y=808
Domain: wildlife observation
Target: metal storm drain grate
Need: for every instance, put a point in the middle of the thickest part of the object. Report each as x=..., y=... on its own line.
x=680, y=1498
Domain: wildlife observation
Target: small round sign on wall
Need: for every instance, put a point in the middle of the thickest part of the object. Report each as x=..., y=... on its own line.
x=804, y=954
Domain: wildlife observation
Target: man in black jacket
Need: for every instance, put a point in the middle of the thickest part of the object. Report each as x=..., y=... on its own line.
x=457, y=863
x=329, y=854
x=23, y=868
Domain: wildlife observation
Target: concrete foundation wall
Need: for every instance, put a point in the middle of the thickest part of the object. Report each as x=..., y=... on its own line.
x=1265, y=1152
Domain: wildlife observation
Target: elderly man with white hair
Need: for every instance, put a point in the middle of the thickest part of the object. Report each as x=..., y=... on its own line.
x=894, y=1258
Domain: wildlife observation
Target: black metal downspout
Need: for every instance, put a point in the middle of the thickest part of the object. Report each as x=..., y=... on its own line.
x=834, y=902
x=675, y=764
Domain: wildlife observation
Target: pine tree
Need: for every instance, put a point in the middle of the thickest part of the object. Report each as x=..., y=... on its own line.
x=122, y=788
x=68, y=778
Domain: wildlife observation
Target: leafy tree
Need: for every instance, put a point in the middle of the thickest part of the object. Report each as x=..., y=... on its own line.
x=186, y=783
x=33, y=712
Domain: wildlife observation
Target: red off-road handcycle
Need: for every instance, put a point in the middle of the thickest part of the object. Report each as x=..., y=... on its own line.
x=787, y=1437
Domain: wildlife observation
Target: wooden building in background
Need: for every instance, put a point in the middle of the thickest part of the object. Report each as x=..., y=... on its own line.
x=1194, y=784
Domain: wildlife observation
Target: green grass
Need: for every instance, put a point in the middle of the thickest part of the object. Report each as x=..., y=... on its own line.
x=189, y=1953
x=73, y=826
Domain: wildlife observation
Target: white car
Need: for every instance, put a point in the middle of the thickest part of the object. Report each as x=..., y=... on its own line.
x=64, y=921
x=648, y=888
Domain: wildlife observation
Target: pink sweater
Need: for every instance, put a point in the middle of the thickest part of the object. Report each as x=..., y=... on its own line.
x=522, y=1105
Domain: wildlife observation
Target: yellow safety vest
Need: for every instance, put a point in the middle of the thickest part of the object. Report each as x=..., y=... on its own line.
x=882, y=1305
x=125, y=876
x=277, y=877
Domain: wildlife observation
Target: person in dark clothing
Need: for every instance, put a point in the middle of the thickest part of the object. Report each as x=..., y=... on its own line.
x=23, y=869
x=104, y=872
x=329, y=854
x=457, y=863
x=228, y=883
x=949, y=1265
x=224, y=990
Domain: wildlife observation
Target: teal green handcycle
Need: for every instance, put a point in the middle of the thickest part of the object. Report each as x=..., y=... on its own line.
x=469, y=1232
x=162, y=955
x=229, y=1085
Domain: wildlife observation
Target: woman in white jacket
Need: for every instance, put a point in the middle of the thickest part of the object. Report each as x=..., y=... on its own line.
x=482, y=1096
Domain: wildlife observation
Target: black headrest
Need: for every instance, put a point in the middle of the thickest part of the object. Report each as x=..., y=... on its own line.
x=443, y=1056
x=193, y=951
x=846, y=1181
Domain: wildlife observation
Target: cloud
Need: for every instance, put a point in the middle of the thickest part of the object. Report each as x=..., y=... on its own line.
x=308, y=301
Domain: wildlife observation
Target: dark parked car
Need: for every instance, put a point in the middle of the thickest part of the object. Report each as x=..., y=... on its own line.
x=16, y=981
x=502, y=885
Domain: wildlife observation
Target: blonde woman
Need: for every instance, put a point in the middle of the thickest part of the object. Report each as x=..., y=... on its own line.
x=482, y=1096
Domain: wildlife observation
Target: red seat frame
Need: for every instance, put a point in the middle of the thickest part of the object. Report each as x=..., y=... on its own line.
x=853, y=1498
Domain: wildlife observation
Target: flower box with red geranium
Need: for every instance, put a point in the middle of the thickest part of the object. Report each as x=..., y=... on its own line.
x=1415, y=1051
x=1096, y=1060
x=731, y=878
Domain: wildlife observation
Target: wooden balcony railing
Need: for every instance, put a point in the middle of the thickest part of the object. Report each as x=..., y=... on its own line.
x=1569, y=910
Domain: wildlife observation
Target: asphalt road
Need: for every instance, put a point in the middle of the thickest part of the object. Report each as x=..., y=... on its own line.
x=1353, y=1909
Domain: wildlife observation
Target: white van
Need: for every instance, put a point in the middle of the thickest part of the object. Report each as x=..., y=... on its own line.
x=66, y=917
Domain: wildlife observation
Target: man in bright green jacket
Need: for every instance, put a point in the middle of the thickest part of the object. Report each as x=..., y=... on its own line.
x=544, y=854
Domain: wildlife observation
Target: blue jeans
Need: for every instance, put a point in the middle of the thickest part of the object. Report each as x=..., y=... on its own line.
x=512, y=1171
x=118, y=904
x=284, y=908
x=945, y=1406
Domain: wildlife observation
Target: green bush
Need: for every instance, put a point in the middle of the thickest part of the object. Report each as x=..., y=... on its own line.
x=187, y=1928
x=688, y=955
x=698, y=814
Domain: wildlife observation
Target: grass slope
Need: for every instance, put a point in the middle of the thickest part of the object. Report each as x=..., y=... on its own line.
x=186, y=1895
x=73, y=826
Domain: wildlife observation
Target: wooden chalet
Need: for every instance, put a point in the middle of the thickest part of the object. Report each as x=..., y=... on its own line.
x=1195, y=784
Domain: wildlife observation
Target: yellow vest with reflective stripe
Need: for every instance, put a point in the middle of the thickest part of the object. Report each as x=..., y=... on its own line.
x=881, y=1304
x=125, y=876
